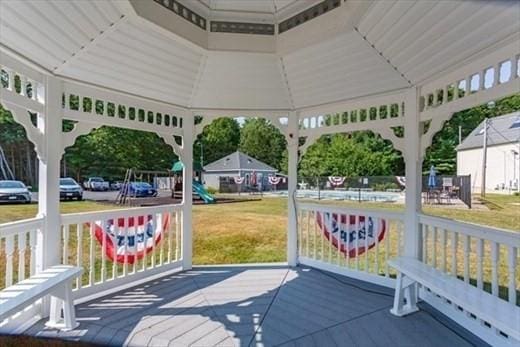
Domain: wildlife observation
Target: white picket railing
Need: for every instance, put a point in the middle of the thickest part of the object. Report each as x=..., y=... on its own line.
x=482, y=256
x=83, y=245
x=316, y=247
x=18, y=250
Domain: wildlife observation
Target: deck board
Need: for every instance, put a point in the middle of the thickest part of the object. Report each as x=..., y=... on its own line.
x=253, y=306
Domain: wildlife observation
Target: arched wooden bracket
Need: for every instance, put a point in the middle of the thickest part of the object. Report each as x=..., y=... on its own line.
x=22, y=117
x=69, y=138
x=436, y=124
x=172, y=141
x=309, y=140
x=389, y=134
x=280, y=123
x=206, y=120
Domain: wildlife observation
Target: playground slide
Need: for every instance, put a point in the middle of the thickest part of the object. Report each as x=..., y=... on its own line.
x=203, y=193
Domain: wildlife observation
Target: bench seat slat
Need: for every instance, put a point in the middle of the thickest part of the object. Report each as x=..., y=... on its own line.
x=20, y=295
x=492, y=309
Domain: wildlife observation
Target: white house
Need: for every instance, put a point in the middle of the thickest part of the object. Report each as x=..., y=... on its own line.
x=237, y=164
x=503, y=148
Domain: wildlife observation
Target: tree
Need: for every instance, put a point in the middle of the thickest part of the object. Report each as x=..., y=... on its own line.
x=218, y=139
x=263, y=141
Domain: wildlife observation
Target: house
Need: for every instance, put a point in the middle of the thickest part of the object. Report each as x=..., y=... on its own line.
x=238, y=164
x=503, y=148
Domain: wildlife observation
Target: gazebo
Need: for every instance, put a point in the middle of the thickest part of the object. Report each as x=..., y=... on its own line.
x=312, y=67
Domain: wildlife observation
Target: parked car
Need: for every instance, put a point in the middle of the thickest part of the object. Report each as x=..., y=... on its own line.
x=96, y=183
x=116, y=185
x=70, y=189
x=14, y=191
x=140, y=189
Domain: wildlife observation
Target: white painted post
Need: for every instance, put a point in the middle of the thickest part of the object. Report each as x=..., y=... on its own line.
x=187, y=193
x=292, y=222
x=48, y=242
x=413, y=171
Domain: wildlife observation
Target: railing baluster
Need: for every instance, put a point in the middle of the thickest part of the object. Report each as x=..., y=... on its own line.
x=367, y=267
x=79, y=252
x=357, y=241
x=434, y=247
x=103, y=250
x=466, y=250
x=480, y=260
x=32, y=259
x=145, y=242
x=315, y=228
x=308, y=230
x=494, y=267
x=387, y=249
x=511, y=273
x=65, y=256
x=125, y=257
x=454, y=247
x=9, y=252
x=21, y=255
x=154, y=228
x=177, y=235
x=376, y=255
x=443, y=250
x=117, y=232
x=165, y=231
x=330, y=237
x=92, y=258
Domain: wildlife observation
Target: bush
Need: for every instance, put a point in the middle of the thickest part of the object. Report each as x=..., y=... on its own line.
x=381, y=187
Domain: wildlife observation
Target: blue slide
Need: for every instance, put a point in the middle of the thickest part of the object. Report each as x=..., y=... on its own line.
x=203, y=193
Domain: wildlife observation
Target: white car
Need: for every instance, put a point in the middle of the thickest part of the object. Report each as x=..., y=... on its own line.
x=14, y=191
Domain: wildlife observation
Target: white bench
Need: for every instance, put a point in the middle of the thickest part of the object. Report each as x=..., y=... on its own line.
x=55, y=281
x=411, y=272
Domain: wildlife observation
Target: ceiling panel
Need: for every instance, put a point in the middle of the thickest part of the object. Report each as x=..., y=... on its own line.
x=241, y=80
x=338, y=69
x=51, y=32
x=139, y=60
x=422, y=38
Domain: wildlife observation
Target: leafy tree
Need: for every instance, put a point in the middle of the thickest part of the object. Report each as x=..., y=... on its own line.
x=218, y=139
x=263, y=141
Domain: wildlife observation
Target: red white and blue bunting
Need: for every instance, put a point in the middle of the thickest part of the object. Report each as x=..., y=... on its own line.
x=238, y=179
x=352, y=234
x=274, y=180
x=336, y=180
x=133, y=240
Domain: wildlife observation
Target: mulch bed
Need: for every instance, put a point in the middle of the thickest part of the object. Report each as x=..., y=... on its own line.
x=30, y=341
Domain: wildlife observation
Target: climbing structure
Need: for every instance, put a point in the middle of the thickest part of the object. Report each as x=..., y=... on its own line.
x=5, y=171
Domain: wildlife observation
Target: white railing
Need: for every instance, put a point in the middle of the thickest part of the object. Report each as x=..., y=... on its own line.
x=18, y=250
x=119, y=247
x=484, y=257
x=373, y=237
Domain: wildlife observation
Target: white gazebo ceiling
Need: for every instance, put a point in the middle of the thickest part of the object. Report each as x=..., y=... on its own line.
x=352, y=49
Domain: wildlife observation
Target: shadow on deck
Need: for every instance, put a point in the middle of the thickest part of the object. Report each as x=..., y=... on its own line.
x=256, y=306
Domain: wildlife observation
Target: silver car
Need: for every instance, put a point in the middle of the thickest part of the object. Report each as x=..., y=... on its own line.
x=14, y=191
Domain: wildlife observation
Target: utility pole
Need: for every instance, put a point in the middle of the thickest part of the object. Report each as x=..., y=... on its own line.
x=460, y=134
x=484, y=159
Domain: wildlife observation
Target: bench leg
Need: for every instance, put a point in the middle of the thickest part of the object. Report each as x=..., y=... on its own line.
x=405, y=298
x=62, y=298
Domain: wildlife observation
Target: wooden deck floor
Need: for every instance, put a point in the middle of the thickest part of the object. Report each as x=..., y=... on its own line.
x=256, y=306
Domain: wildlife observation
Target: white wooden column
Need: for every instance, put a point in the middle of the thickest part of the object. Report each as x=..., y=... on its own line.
x=187, y=192
x=292, y=221
x=50, y=124
x=413, y=171
x=48, y=241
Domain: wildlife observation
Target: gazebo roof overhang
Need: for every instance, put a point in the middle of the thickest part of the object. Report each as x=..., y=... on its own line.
x=351, y=50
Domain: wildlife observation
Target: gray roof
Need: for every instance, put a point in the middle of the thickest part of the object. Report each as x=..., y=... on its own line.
x=501, y=130
x=238, y=161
